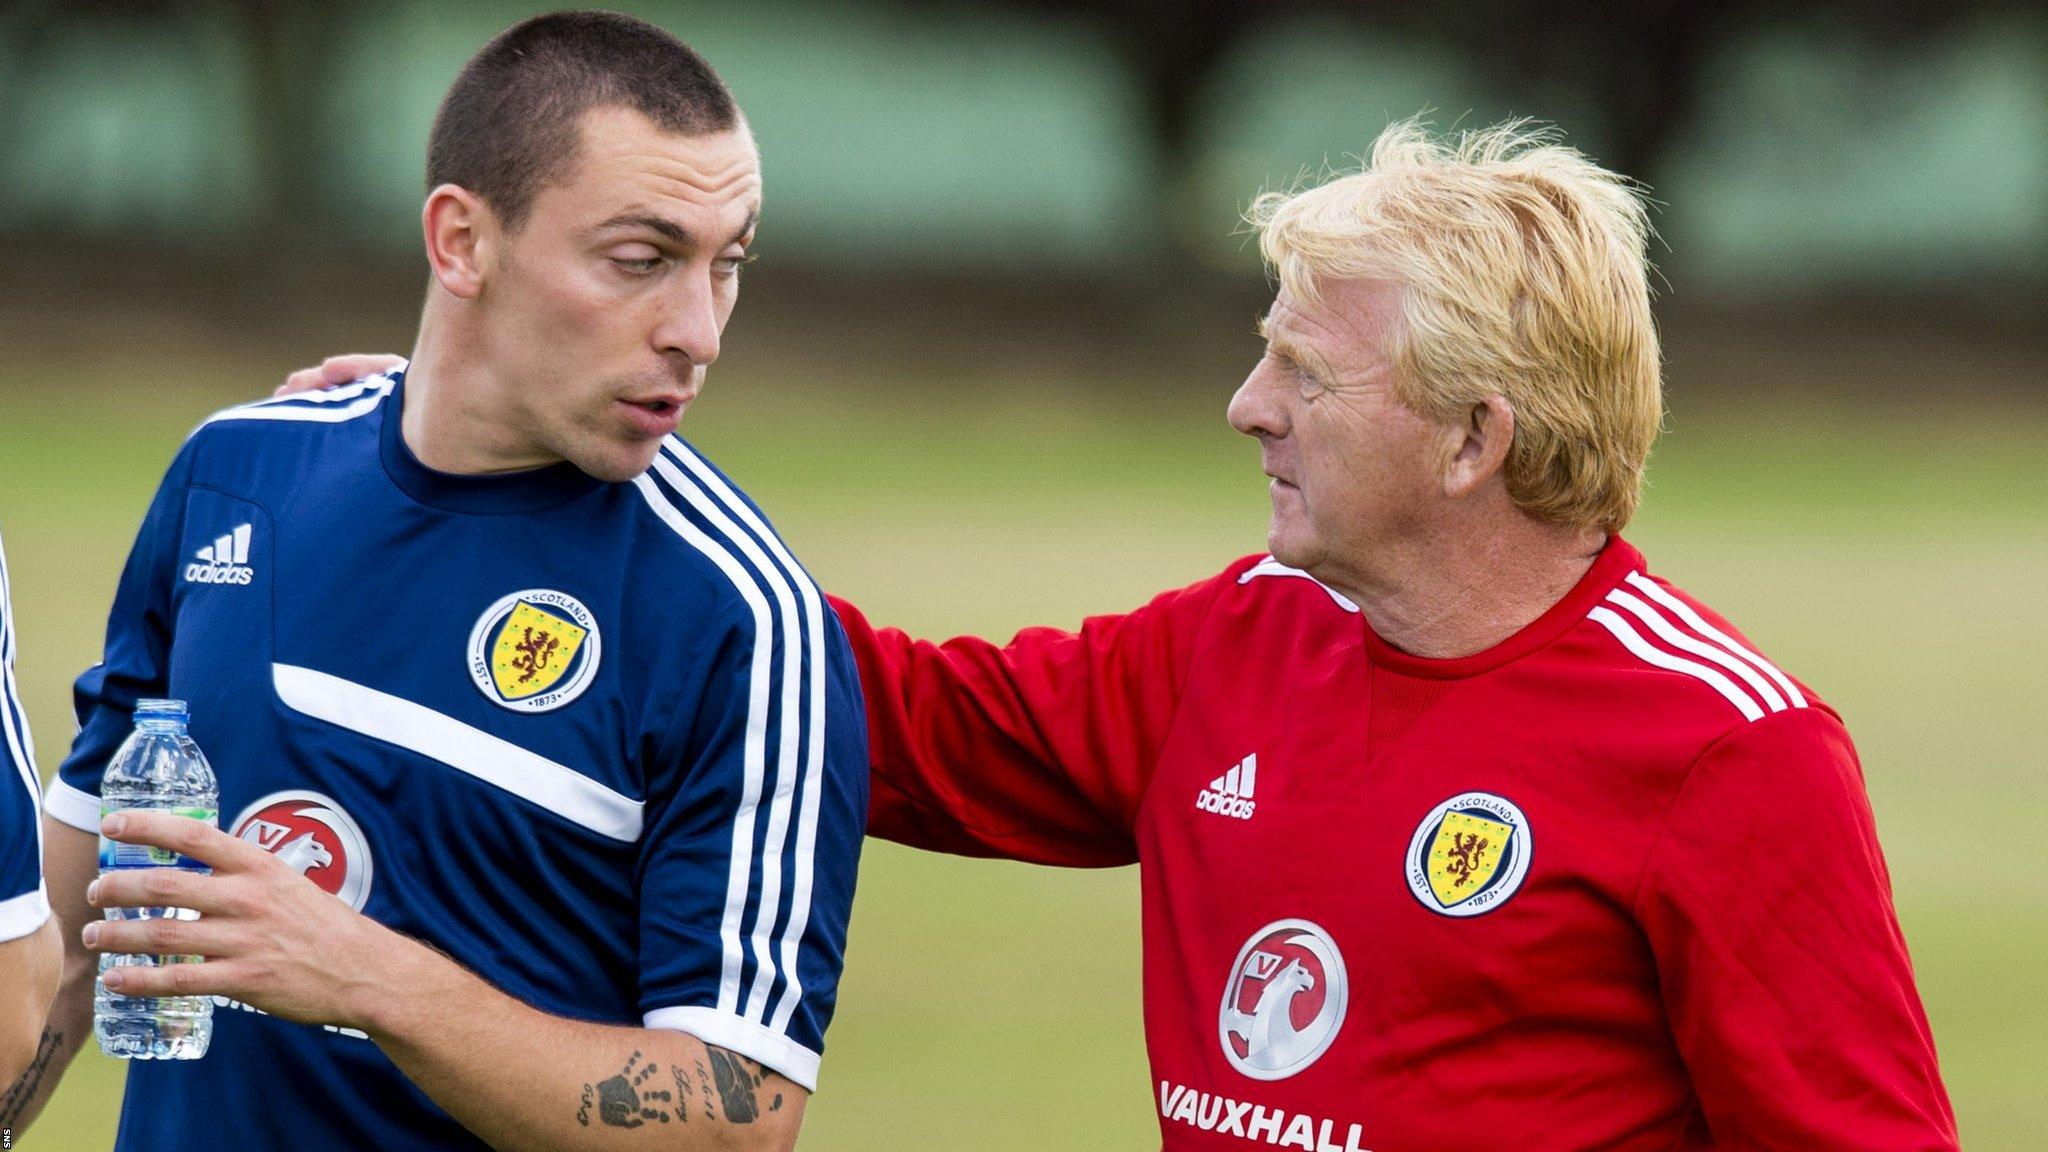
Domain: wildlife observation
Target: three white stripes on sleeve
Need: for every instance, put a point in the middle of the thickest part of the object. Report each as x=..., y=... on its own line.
x=1697, y=648
x=797, y=791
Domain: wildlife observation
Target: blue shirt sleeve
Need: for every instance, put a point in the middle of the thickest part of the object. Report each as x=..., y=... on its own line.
x=136, y=661
x=753, y=840
x=24, y=903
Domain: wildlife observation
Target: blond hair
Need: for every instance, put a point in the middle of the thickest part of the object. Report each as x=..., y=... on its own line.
x=1524, y=273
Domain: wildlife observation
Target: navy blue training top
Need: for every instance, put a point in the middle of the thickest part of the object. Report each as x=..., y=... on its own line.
x=600, y=743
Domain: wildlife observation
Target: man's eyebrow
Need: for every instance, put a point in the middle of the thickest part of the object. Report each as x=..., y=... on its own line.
x=1300, y=355
x=672, y=231
x=747, y=225
x=656, y=224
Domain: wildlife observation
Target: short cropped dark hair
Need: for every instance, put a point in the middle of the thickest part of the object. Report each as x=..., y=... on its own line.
x=511, y=122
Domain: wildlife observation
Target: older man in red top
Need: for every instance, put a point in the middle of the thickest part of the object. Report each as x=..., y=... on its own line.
x=1458, y=827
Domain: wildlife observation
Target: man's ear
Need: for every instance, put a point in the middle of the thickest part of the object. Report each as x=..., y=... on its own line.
x=1478, y=445
x=461, y=232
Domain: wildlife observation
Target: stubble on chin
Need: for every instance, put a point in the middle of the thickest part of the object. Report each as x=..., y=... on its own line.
x=605, y=454
x=1284, y=543
x=621, y=462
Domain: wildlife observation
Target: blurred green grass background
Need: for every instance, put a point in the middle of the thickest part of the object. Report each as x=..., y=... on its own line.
x=1887, y=548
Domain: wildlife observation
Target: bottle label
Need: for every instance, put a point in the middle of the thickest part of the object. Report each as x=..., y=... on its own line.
x=115, y=854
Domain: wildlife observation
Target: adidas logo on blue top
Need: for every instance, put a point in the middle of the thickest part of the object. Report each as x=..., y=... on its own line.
x=225, y=561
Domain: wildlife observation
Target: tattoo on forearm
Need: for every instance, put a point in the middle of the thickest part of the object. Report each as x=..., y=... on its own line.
x=738, y=1078
x=24, y=1089
x=682, y=1093
x=624, y=1100
x=704, y=1078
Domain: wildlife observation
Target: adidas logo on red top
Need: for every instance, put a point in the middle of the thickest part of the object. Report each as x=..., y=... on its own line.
x=1231, y=793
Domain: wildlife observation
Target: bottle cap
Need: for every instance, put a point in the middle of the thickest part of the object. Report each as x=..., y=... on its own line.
x=162, y=710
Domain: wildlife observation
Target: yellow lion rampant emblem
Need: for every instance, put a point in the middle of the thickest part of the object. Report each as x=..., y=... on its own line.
x=1469, y=854
x=1463, y=857
x=532, y=650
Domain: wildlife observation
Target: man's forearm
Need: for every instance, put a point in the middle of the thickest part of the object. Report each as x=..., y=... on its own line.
x=69, y=1026
x=29, y=969
x=523, y=1079
x=517, y=1077
x=70, y=860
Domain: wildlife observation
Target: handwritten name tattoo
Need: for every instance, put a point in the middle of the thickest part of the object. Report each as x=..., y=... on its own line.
x=24, y=1088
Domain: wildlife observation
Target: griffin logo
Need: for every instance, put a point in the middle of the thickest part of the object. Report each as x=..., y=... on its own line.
x=534, y=651
x=1469, y=854
x=1284, y=1001
x=316, y=837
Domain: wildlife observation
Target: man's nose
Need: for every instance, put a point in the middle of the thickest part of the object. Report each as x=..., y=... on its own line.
x=1255, y=409
x=689, y=324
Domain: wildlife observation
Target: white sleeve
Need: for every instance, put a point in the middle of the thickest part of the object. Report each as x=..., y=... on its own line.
x=24, y=902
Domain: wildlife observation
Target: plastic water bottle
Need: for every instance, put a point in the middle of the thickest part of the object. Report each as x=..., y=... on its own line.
x=157, y=768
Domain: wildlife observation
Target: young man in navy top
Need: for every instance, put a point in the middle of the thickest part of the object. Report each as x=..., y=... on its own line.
x=542, y=761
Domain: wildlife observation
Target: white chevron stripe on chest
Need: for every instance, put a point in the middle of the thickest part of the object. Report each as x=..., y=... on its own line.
x=554, y=787
x=1665, y=632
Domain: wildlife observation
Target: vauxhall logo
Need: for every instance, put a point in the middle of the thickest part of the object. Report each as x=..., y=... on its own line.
x=225, y=561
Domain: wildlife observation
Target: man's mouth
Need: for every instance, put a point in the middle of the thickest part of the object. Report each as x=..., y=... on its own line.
x=654, y=415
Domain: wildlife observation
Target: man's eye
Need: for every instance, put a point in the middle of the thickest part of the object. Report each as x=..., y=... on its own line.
x=639, y=266
x=731, y=265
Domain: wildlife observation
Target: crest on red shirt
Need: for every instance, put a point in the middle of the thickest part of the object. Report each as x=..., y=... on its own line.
x=1469, y=854
x=1284, y=1002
